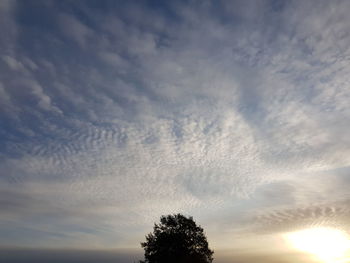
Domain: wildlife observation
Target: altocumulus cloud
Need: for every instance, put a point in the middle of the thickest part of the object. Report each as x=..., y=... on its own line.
x=114, y=113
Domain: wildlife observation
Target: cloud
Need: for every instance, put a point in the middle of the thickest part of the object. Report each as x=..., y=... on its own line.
x=124, y=114
x=280, y=221
x=73, y=29
x=13, y=63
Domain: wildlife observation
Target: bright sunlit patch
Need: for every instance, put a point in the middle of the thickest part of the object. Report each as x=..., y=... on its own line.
x=327, y=244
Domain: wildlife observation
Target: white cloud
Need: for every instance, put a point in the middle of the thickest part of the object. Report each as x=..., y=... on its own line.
x=44, y=101
x=189, y=116
x=13, y=63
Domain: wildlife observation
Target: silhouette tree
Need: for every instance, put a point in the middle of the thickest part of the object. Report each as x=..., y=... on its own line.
x=177, y=239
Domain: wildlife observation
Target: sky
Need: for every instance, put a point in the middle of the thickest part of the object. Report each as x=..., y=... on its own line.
x=113, y=113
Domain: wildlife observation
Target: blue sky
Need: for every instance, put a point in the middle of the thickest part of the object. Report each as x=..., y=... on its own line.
x=113, y=113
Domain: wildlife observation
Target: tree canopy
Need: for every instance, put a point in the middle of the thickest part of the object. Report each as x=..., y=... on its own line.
x=177, y=239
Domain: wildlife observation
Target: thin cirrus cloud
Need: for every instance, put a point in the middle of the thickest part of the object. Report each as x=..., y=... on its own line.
x=113, y=114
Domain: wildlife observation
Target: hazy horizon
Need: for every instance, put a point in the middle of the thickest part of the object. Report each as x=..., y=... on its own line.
x=28, y=255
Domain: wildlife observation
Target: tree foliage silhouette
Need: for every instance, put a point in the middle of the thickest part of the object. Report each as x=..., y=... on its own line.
x=177, y=239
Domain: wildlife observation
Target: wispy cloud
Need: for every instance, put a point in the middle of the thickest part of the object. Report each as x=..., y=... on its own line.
x=122, y=113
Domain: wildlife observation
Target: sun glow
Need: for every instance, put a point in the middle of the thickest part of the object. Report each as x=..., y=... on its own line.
x=329, y=245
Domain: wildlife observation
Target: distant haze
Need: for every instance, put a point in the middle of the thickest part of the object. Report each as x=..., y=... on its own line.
x=113, y=113
x=68, y=256
x=131, y=256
